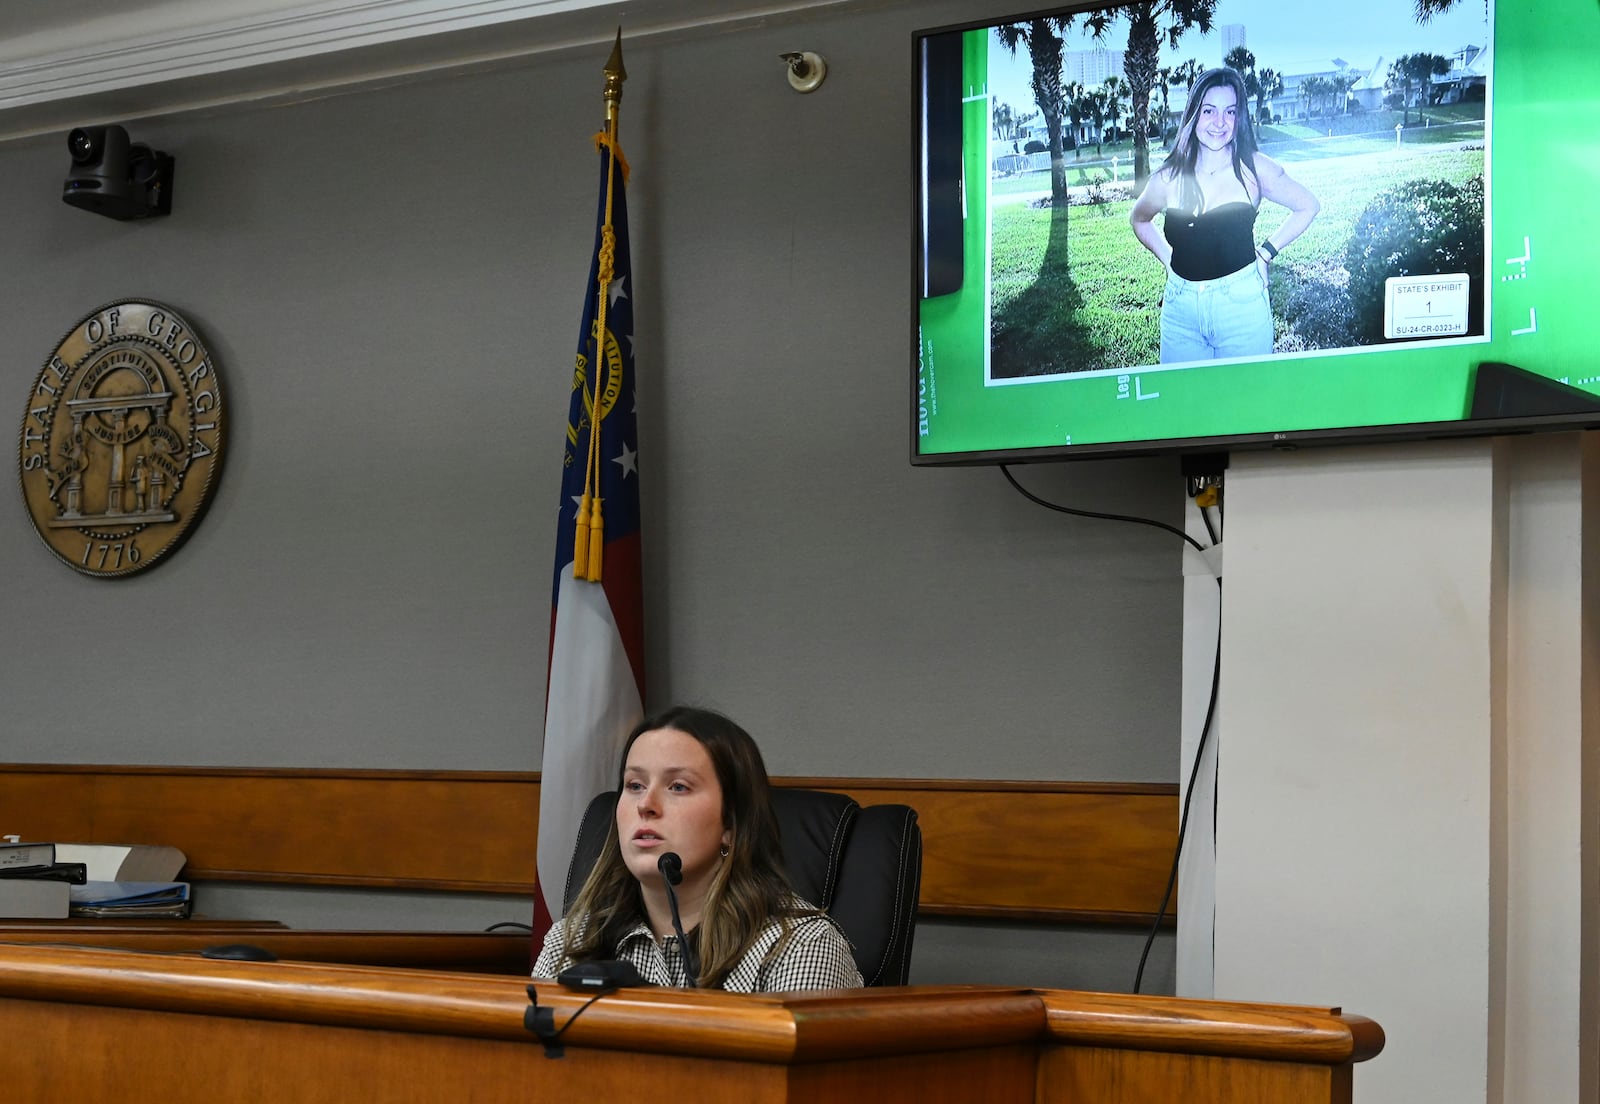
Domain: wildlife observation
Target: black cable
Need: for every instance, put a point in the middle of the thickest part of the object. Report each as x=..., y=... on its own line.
x=1211, y=705
x=572, y=1019
x=1188, y=798
x=691, y=956
x=542, y=1021
x=1005, y=470
x=510, y=924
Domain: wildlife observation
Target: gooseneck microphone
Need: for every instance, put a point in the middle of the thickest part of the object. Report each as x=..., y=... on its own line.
x=671, y=867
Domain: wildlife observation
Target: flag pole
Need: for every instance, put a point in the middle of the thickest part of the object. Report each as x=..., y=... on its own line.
x=589, y=545
x=594, y=677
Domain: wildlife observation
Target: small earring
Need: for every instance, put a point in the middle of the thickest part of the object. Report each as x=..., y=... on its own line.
x=724, y=851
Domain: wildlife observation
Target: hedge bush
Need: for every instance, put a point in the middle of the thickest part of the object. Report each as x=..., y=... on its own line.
x=1419, y=228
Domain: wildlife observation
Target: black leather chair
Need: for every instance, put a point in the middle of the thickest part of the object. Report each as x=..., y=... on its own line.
x=863, y=865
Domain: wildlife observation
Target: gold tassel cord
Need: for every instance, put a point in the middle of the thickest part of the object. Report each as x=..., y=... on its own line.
x=607, y=140
x=607, y=270
x=589, y=544
x=581, y=540
x=597, y=545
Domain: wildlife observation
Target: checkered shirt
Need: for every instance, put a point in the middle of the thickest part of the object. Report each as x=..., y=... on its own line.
x=815, y=956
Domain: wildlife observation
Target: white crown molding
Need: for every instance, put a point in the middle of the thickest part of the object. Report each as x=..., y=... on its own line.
x=156, y=56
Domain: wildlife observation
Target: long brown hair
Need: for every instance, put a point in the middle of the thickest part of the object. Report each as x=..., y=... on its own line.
x=748, y=888
x=1186, y=148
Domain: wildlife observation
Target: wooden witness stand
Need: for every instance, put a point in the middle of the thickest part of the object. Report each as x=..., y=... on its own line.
x=86, y=1025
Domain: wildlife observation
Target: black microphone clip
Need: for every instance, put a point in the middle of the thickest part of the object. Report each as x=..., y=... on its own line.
x=599, y=978
x=542, y=1022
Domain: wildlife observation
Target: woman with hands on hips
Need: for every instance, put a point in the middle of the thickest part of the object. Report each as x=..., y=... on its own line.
x=693, y=784
x=1209, y=191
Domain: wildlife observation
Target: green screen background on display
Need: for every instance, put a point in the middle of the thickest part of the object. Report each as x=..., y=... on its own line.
x=981, y=396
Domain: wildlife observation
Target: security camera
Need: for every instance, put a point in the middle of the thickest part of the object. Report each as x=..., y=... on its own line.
x=114, y=177
x=85, y=145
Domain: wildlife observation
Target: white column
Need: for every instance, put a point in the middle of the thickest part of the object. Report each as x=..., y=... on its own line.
x=1196, y=867
x=1354, y=798
x=1407, y=810
x=1545, y=1036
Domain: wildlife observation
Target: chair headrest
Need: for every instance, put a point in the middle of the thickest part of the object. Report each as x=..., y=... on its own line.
x=815, y=827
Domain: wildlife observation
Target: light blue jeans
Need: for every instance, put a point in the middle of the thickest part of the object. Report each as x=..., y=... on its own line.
x=1207, y=319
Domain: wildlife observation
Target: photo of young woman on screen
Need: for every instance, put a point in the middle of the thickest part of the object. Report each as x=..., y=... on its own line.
x=1209, y=192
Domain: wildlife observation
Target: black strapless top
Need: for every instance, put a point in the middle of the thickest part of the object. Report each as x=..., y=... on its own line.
x=1211, y=245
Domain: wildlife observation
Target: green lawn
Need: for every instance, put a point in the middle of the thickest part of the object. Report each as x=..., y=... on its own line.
x=1101, y=311
x=1081, y=173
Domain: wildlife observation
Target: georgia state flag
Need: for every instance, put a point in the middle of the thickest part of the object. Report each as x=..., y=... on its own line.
x=595, y=689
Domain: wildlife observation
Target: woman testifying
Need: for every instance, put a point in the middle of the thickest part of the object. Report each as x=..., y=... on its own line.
x=693, y=785
x=1210, y=188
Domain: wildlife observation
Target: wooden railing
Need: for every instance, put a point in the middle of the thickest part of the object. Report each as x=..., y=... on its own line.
x=93, y=1025
x=1038, y=851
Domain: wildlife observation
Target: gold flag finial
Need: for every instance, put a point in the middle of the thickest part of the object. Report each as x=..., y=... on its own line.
x=615, y=75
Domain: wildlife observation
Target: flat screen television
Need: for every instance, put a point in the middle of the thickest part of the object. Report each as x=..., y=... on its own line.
x=1445, y=286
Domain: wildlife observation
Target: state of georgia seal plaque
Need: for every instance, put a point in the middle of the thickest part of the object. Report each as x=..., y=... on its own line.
x=122, y=439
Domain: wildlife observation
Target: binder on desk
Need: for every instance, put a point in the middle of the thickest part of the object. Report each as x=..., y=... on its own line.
x=76, y=873
x=104, y=900
x=24, y=856
x=34, y=899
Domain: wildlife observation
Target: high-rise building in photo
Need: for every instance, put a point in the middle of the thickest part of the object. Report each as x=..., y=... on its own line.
x=1091, y=67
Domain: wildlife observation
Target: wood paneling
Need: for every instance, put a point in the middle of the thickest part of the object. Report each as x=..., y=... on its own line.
x=414, y=829
x=1035, y=850
x=1041, y=851
x=836, y=1025
x=89, y=1024
x=1096, y=1076
x=1111, y=1048
x=1279, y=1032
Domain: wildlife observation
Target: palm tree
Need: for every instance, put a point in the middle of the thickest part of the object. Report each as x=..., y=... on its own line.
x=1003, y=124
x=1414, y=71
x=1342, y=83
x=1184, y=76
x=1268, y=84
x=1427, y=9
x=1113, y=87
x=1073, y=95
x=1310, y=90
x=1164, y=86
x=1149, y=22
x=1425, y=67
x=1243, y=62
x=1043, y=40
x=1096, y=103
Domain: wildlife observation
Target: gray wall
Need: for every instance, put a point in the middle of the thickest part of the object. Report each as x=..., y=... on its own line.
x=390, y=280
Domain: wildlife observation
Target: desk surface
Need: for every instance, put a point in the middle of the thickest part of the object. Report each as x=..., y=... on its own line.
x=499, y=952
x=137, y=924
x=98, y=1020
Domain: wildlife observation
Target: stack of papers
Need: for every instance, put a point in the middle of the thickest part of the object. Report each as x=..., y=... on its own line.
x=52, y=881
x=111, y=899
x=124, y=862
